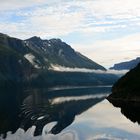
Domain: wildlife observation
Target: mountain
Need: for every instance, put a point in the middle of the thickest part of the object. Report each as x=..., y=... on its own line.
x=126, y=65
x=44, y=53
x=23, y=61
x=127, y=89
x=30, y=63
x=57, y=52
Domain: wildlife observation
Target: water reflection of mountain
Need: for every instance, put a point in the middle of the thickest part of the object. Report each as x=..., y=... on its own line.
x=130, y=110
x=79, y=91
x=38, y=108
x=9, y=109
x=132, y=113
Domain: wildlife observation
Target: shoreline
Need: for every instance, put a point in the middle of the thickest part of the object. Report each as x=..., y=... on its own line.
x=118, y=102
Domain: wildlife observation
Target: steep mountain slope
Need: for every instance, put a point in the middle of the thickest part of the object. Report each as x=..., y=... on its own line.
x=127, y=89
x=126, y=65
x=14, y=68
x=42, y=54
x=57, y=52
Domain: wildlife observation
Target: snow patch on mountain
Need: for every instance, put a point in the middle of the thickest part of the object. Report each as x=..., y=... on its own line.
x=60, y=52
x=31, y=58
x=49, y=44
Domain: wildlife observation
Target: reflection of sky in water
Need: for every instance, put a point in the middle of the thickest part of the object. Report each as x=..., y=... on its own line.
x=102, y=121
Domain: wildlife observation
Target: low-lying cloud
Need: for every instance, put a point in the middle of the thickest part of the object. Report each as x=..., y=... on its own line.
x=68, y=69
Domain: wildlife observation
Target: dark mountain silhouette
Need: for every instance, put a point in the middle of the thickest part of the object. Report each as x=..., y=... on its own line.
x=36, y=108
x=127, y=89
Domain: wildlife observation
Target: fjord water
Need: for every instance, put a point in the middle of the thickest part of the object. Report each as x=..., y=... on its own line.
x=73, y=113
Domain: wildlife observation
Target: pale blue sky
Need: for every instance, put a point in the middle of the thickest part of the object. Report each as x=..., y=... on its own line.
x=107, y=31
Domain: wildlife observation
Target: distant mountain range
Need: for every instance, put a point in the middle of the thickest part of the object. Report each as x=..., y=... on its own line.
x=126, y=65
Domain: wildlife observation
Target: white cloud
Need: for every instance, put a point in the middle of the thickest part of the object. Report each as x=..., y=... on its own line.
x=108, y=52
x=85, y=70
x=7, y=5
x=59, y=18
x=114, y=8
x=56, y=24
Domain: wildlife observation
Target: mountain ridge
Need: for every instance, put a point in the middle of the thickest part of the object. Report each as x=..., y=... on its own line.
x=126, y=65
x=58, y=52
x=32, y=59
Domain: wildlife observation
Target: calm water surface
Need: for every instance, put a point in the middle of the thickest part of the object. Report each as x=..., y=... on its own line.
x=73, y=114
